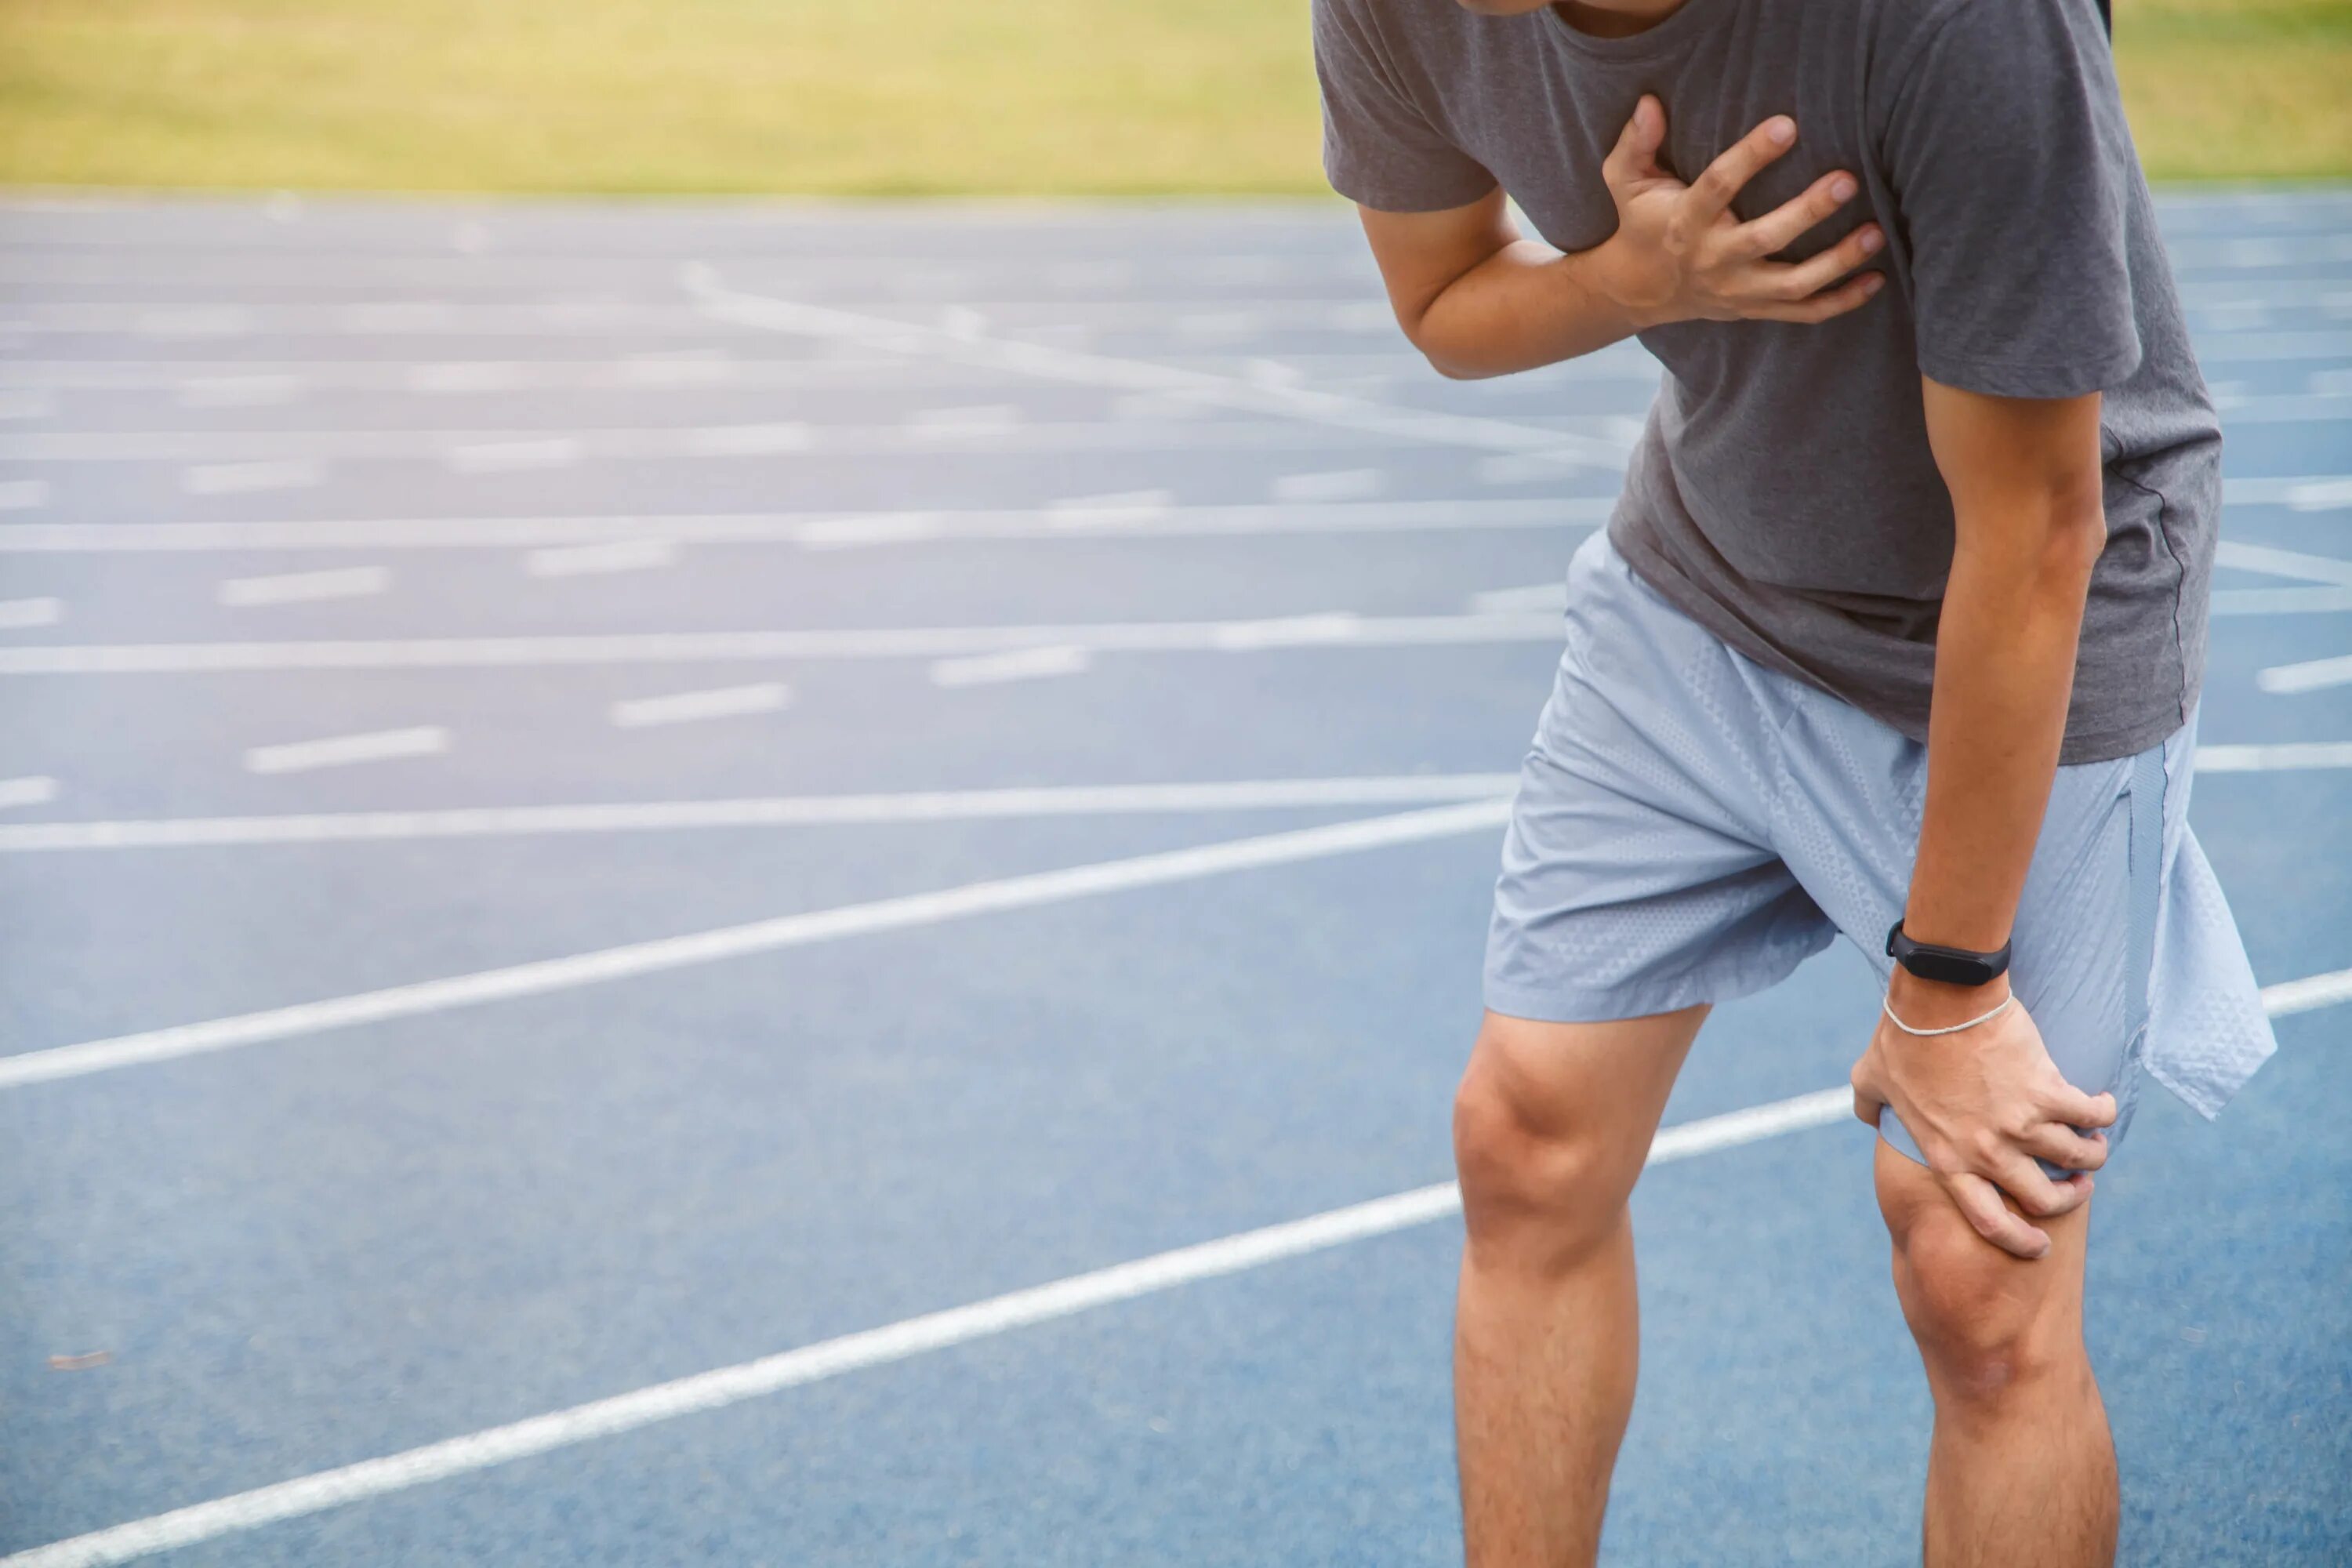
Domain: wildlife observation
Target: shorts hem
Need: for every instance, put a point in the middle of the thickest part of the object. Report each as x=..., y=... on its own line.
x=1615, y=1004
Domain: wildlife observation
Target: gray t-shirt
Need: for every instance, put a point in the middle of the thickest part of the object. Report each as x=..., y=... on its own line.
x=1782, y=493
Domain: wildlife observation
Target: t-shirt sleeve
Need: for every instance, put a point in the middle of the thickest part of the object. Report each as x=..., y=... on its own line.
x=1379, y=148
x=2013, y=174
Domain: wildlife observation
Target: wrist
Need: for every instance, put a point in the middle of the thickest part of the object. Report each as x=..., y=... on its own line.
x=1933, y=1003
x=1614, y=285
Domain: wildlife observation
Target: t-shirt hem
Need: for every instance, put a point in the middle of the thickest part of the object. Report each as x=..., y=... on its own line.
x=1997, y=377
x=1390, y=198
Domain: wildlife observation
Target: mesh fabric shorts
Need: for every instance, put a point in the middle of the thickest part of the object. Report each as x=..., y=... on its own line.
x=1690, y=826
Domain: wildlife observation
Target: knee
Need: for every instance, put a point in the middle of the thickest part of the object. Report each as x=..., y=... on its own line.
x=1989, y=1326
x=1543, y=1184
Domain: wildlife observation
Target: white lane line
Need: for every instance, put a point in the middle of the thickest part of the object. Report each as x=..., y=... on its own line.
x=1338, y=484
x=981, y=419
x=758, y=936
x=911, y=1337
x=2279, y=562
x=1138, y=514
x=513, y=457
x=466, y=376
x=23, y=495
x=18, y=615
x=1326, y=630
x=2307, y=995
x=35, y=790
x=340, y=750
x=2312, y=675
x=966, y=343
x=2280, y=601
x=1023, y=664
x=686, y=707
x=1552, y=596
x=246, y=478
x=856, y=1352
x=301, y=587
x=2286, y=756
x=2309, y=493
x=25, y=402
x=772, y=811
x=596, y=560
x=257, y=391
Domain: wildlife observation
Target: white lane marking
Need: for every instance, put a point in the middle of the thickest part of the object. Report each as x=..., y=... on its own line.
x=2278, y=756
x=2280, y=601
x=981, y=419
x=167, y=321
x=511, y=456
x=965, y=342
x=933, y=1331
x=1334, y=629
x=35, y=790
x=17, y=615
x=2310, y=492
x=2312, y=675
x=1338, y=484
x=2282, y=563
x=1141, y=513
x=856, y=1352
x=2305, y=996
x=772, y=811
x=747, y=440
x=237, y=391
x=1552, y=596
x=1023, y=664
x=663, y=953
x=340, y=750
x=23, y=495
x=25, y=402
x=466, y=376
x=590, y=560
x=301, y=587
x=683, y=367
x=686, y=707
x=246, y=478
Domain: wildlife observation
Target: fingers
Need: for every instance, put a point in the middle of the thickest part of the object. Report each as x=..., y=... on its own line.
x=2064, y=1146
x=2065, y=1102
x=1815, y=273
x=1711, y=193
x=1820, y=307
x=1780, y=228
x=1635, y=156
x=1980, y=1205
x=2036, y=1193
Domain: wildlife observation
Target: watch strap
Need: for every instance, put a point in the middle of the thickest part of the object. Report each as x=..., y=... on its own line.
x=1950, y=965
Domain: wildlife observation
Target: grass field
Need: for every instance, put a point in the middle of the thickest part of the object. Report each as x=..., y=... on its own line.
x=880, y=97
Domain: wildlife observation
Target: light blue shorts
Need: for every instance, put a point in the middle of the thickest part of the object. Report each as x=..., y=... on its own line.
x=1690, y=826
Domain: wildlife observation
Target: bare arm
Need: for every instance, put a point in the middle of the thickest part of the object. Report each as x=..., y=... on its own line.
x=2025, y=480
x=1480, y=300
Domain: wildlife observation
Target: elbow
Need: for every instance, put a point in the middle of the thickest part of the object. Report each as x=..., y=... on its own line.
x=2074, y=530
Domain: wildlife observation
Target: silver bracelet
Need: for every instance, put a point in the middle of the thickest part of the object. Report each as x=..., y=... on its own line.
x=1888, y=1008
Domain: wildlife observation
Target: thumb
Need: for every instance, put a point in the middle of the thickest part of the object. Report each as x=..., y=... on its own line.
x=1635, y=155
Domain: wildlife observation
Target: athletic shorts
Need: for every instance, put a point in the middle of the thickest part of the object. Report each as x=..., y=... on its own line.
x=1690, y=826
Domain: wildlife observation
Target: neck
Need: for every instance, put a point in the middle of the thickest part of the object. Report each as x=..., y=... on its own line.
x=1615, y=19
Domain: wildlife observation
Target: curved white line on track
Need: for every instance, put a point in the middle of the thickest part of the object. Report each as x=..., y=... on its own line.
x=663, y=953
x=917, y=1336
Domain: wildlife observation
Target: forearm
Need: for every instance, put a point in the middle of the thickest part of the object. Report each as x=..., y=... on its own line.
x=1526, y=306
x=2004, y=671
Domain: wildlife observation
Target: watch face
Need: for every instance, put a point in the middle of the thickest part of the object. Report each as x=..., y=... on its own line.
x=1951, y=968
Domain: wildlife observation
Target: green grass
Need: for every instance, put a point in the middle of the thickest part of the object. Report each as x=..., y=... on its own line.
x=875, y=97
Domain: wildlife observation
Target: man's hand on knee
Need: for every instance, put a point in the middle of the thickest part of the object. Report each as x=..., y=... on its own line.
x=1983, y=1104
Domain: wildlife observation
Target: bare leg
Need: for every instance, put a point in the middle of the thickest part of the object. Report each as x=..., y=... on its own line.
x=1551, y=1128
x=2022, y=1473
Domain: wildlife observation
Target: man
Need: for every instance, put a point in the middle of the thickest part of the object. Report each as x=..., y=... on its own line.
x=1897, y=628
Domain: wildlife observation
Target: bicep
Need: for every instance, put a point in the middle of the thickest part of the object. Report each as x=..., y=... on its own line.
x=1421, y=255
x=2028, y=465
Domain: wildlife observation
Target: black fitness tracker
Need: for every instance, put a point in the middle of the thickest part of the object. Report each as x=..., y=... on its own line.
x=1951, y=965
